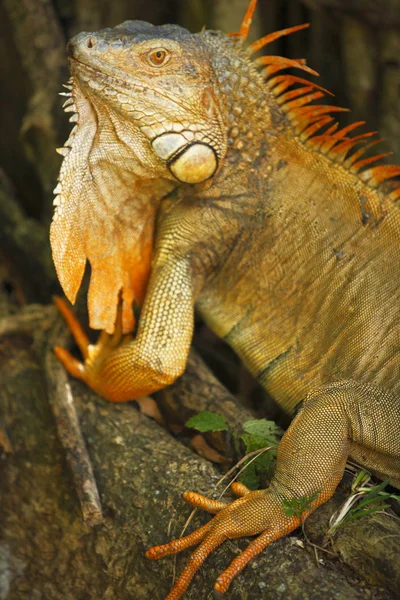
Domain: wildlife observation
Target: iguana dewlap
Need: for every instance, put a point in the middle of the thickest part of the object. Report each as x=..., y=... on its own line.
x=268, y=218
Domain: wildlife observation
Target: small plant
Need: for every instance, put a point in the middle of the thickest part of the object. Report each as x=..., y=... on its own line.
x=259, y=434
x=365, y=499
x=296, y=507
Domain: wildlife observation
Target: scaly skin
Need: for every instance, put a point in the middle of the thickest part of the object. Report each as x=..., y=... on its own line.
x=267, y=221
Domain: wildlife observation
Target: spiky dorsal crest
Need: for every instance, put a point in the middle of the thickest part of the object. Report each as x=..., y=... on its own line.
x=310, y=120
x=243, y=32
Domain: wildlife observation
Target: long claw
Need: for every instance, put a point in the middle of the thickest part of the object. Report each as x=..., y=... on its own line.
x=74, y=326
x=207, y=504
x=179, y=544
x=72, y=365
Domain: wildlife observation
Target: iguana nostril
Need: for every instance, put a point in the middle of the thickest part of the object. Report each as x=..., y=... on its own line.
x=90, y=43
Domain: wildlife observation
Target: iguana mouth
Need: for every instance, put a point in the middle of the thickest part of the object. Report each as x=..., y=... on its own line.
x=109, y=79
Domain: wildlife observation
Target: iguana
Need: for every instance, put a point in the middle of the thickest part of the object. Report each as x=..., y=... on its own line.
x=268, y=218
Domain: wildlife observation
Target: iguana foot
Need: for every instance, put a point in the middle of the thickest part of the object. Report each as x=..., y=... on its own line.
x=252, y=513
x=94, y=355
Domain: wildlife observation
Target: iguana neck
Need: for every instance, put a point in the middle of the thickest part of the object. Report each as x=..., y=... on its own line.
x=105, y=213
x=250, y=114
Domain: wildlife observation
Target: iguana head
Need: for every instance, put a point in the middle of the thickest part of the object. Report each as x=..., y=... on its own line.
x=159, y=79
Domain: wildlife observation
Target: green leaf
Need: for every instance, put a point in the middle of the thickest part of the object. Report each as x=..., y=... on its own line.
x=264, y=460
x=361, y=478
x=261, y=428
x=395, y=497
x=249, y=476
x=373, y=495
x=207, y=421
x=295, y=507
x=253, y=442
x=370, y=511
x=259, y=434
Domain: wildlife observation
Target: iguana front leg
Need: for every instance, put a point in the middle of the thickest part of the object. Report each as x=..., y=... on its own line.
x=121, y=368
x=335, y=421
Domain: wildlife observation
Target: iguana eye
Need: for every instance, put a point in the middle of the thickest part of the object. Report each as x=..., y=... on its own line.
x=157, y=57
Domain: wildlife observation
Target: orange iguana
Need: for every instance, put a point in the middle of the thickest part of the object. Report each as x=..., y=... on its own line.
x=267, y=217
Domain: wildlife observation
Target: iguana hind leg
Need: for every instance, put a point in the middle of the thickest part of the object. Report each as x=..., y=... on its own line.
x=310, y=463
